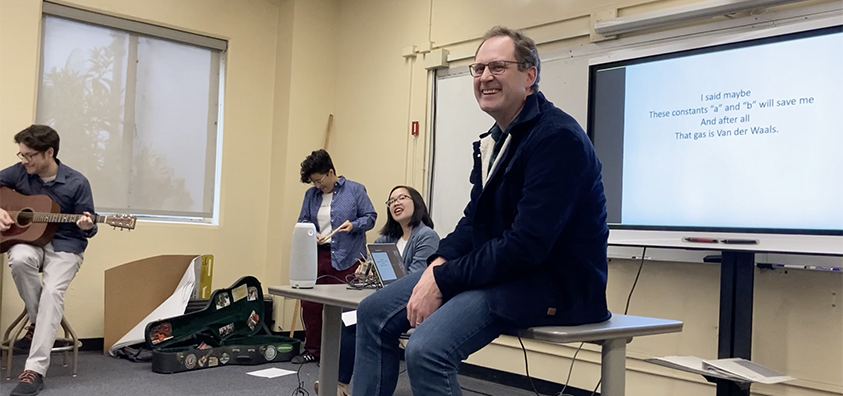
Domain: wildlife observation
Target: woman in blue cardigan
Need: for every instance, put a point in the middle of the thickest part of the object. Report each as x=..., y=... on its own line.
x=409, y=226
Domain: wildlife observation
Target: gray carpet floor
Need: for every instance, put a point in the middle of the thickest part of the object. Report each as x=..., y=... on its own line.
x=107, y=376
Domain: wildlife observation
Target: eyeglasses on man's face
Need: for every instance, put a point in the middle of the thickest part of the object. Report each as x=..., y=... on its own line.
x=28, y=156
x=495, y=67
x=401, y=197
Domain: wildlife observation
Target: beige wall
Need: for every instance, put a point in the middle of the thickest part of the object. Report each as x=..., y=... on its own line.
x=688, y=292
x=291, y=63
x=307, y=100
x=239, y=242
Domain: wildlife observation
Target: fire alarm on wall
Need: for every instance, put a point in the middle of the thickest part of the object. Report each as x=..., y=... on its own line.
x=414, y=128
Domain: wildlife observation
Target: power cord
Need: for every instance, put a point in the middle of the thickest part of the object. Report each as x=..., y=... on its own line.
x=626, y=309
x=640, y=267
x=353, y=281
x=300, y=390
x=597, y=386
x=570, y=371
x=333, y=276
x=359, y=280
x=527, y=367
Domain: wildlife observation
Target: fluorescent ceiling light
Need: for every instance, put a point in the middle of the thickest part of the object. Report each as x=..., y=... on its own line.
x=703, y=9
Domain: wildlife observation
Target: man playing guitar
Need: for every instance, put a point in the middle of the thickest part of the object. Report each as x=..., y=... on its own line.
x=40, y=172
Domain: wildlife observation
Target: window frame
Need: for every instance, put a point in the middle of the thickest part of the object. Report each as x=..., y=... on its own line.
x=135, y=30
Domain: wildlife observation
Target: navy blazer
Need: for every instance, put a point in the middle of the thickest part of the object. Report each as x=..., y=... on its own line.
x=534, y=238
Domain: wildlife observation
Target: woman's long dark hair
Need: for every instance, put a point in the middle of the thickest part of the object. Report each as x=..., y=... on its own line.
x=392, y=229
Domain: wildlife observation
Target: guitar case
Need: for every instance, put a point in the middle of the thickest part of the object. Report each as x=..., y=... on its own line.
x=230, y=330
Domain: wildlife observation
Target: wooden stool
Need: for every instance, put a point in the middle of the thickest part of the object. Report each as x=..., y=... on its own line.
x=70, y=342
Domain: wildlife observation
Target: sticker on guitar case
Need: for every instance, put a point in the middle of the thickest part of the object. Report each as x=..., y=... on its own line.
x=224, y=358
x=213, y=362
x=226, y=330
x=161, y=332
x=202, y=361
x=238, y=293
x=253, y=320
x=190, y=361
x=223, y=300
x=270, y=352
x=253, y=293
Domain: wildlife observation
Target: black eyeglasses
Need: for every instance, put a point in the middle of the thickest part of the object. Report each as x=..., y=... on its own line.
x=495, y=67
x=396, y=199
x=29, y=156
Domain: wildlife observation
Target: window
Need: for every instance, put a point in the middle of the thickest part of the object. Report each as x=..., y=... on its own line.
x=137, y=107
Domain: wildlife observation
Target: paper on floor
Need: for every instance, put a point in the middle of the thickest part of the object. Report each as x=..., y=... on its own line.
x=349, y=318
x=271, y=372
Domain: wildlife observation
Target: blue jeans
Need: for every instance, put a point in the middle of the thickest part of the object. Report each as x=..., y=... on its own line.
x=461, y=326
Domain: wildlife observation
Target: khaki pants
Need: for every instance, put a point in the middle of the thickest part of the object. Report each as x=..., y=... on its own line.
x=43, y=294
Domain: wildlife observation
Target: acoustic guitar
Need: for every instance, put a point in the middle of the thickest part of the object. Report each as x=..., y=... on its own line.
x=36, y=218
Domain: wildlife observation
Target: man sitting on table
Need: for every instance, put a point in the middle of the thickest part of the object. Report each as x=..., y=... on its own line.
x=530, y=249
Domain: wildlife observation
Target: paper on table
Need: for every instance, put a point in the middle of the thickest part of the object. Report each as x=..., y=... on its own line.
x=747, y=369
x=349, y=318
x=733, y=369
x=692, y=364
x=271, y=372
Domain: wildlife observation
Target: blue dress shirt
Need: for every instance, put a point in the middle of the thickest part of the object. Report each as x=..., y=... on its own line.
x=70, y=190
x=349, y=202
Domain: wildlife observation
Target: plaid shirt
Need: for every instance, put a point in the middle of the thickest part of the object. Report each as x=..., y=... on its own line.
x=350, y=202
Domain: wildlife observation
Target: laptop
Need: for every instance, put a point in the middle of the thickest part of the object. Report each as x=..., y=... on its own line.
x=388, y=264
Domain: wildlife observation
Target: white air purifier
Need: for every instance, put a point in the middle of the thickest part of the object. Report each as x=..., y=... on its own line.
x=303, y=256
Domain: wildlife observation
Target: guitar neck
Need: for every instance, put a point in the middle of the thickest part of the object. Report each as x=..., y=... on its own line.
x=39, y=217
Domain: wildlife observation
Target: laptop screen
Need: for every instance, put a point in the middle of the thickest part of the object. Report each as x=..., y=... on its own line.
x=384, y=266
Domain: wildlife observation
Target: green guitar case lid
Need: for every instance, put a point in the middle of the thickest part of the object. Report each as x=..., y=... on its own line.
x=231, y=329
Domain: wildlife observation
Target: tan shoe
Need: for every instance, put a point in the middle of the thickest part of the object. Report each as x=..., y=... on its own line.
x=342, y=389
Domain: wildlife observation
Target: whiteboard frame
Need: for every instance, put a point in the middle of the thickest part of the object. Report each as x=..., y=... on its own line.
x=722, y=32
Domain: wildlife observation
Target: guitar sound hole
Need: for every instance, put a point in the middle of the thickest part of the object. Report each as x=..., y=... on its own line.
x=24, y=218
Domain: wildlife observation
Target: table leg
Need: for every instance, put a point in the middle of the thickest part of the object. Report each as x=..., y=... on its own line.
x=329, y=360
x=613, y=367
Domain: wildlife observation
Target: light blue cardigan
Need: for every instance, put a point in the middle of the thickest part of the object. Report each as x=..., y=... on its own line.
x=423, y=242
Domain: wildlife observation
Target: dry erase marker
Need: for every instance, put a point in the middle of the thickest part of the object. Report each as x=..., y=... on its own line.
x=740, y=241
x=700, y=240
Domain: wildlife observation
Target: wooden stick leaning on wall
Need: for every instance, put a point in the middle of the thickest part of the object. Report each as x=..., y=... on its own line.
x=328, y=131
x=325, y=147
